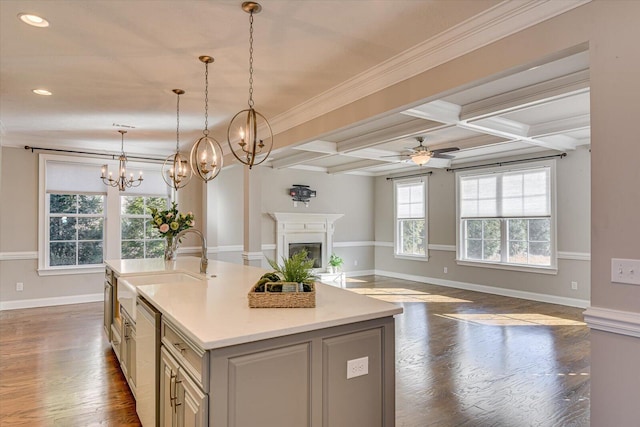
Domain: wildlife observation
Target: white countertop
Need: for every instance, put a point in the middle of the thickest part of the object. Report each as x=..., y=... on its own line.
x=141, y=267
x=215, y=313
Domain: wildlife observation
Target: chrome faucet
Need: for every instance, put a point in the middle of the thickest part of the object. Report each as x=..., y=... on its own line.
x=203, y=258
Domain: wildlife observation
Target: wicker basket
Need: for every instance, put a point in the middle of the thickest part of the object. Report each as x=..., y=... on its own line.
x=297, y=299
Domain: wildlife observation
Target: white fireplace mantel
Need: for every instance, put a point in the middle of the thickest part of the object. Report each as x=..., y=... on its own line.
x=304, y=228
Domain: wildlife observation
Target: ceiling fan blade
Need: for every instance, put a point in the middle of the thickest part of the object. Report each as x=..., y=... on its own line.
x=442, y=156
x=397, y=155
x=444, y=150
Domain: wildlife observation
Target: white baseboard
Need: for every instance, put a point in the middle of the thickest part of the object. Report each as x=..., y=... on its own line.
x=616, y=321
x=359, y=273
x=572, y=302
x=46, y=302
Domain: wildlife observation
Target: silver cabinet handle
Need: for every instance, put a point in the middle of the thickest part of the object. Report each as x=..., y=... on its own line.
x=172, y=380
x=174, y=398
x=179, y=347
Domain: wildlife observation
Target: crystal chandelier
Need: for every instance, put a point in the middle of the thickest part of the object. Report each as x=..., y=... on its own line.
x=176, y=171
x=251, y=147
x=121, y=182
x=206, y=155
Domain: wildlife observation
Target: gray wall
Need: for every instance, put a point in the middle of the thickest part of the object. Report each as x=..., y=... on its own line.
x=573, y=187
x=19, y=238
x=350, y=195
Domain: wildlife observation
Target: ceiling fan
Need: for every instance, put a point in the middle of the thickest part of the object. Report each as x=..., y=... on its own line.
x=421, y=155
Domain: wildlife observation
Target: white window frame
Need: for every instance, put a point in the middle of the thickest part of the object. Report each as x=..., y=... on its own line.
x=77, y=216
x=552, y=268
x=112, y=223
x=424, y=180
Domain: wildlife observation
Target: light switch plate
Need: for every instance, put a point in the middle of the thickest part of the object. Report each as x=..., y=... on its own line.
x=625, y=271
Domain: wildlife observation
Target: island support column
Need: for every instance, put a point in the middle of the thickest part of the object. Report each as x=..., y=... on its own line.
x=252, y=252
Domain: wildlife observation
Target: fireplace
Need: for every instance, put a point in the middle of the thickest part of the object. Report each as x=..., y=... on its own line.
x=295, y=231
x=314, y=251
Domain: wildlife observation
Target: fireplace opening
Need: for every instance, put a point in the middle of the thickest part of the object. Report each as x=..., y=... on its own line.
x=314, y=252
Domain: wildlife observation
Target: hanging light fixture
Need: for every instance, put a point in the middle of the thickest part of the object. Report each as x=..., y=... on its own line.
x=176, y=171
x=122, y=182
x=421, y=158
x=249, y=145
x=206, y=155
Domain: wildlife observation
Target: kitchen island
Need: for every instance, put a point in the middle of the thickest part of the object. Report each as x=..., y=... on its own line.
x=222, y=363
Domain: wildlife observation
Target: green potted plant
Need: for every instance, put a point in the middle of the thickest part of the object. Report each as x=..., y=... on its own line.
x=291, y=285
x=335, y=262
x=297, y=269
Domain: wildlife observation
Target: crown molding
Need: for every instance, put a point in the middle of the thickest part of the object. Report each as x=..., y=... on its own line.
x=493, y=24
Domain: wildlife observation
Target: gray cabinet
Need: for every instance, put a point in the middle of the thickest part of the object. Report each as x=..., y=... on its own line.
x=108, y=302
x=302, y=379
x=182, y=402
x=271, y=388
x=128, y=350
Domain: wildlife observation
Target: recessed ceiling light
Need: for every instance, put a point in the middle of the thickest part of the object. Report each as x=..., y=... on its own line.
x=42, y=92
x=33, y=20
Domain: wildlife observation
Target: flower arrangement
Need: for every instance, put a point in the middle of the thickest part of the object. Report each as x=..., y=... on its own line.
x=170, y=222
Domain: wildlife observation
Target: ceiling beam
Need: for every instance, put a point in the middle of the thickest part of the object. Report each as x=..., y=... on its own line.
x=536, y=94
x=354, y=166
x=297, y=159
x=318, y=146
x=582, y=121
x=388, y=134
x=516, y=136
x=438, y=111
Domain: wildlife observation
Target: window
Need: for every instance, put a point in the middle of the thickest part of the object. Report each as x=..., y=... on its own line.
x=82, y=222
x=138, y=238
x=507, y=216
x=76, y=229
x=411, y=222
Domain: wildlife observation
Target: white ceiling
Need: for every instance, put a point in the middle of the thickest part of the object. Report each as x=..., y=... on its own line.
x=115, y=62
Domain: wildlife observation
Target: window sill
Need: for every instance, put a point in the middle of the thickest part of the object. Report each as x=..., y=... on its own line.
x=512, y=267
x=412, y=257
x=69, y=271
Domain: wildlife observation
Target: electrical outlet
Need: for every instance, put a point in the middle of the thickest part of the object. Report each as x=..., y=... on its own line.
x=357, y=367
x=355, y=262
x=19, y=286
x=625, y=271
x=574, y=285
x=446, y=270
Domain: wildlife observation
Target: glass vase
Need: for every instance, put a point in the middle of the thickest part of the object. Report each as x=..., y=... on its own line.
x=169, y=249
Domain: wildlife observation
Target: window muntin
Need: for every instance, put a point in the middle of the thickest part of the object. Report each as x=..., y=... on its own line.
x=138, y=238
x=76, y=229
x=411, y=221
x=506, y=217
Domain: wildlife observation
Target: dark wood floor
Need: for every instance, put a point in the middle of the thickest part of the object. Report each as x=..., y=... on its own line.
x=463, y=359
x=472, y=359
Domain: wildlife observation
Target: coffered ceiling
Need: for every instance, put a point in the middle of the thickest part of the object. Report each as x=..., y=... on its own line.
x=111, y=63
x=539, y=109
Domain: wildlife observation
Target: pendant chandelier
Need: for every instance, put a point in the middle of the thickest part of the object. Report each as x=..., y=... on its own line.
x=122, y=182
x=176, y=171
x=251, y=148
x=206, y=155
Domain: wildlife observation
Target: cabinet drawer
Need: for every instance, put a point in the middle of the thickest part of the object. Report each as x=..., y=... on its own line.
x=194, y=359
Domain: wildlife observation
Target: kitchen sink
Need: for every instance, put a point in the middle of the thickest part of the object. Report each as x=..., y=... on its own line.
x=127, y=291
